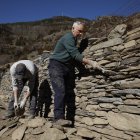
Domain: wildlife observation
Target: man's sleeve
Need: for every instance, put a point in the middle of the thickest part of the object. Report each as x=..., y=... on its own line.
x=14, y=81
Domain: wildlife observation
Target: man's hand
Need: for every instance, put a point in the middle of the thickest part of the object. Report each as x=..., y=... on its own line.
x=102, y=70
x=94, y=64
x=22, y=103
x=15, y=105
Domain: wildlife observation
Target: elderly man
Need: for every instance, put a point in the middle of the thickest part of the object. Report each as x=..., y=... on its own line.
x=62, y=73
x=22, y=72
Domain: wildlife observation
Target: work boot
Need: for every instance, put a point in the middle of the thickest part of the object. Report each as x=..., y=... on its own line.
x=62, y=122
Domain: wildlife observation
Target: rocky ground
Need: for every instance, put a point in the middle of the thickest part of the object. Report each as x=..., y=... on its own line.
x=108, y=105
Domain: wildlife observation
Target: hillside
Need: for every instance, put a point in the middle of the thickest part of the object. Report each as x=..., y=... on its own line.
x=27, y=40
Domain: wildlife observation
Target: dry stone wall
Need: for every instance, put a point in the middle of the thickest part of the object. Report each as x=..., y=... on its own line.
x=107, y=105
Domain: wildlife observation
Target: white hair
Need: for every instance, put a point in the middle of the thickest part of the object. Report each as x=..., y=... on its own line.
x=78, y=23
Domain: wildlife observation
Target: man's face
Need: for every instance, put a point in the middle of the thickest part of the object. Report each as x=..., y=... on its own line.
x=78, y=30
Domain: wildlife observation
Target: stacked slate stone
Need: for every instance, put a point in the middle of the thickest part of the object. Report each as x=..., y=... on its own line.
x=107, y=104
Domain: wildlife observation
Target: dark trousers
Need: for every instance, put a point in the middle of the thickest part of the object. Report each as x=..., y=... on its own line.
x=33, y=99
x=62, y=77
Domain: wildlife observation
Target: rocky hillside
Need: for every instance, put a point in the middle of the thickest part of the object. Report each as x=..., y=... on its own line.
x=107, y=105
x=26, y=40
